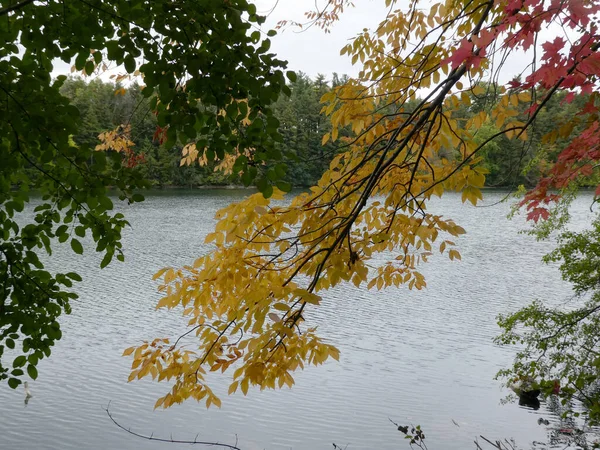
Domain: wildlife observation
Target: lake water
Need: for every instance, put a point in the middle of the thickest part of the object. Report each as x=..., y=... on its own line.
x=421, y=357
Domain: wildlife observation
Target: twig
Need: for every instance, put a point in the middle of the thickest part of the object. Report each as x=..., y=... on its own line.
x=171, y=440
x=14, y=7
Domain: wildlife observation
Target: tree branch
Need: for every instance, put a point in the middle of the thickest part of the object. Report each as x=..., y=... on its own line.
x=14, y=7
x=170, y=440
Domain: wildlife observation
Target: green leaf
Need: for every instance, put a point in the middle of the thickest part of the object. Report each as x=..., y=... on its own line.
x=284, y=186
x=89, y=67
x=33, y=359
x=291, y=76
x=13, y=383
x=106, y=260
x=80, y=61
x=129, y=63
x=268, y=191
x=106, y=203
x=32, y=371
x=76, y=246
x=73, y=276
x=20, y=361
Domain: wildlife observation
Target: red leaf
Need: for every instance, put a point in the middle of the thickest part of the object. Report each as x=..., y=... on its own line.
x=538, y=213
x=569, y=97
x=553, y=48
x=461, y=54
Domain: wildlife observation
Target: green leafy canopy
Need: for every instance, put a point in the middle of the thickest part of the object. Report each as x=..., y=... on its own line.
x=559, y=345
x=196, y=58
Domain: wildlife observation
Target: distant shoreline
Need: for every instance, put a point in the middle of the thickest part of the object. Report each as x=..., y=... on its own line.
x=202, y=187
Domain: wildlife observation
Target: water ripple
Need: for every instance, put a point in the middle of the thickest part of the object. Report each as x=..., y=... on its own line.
x=416, y=357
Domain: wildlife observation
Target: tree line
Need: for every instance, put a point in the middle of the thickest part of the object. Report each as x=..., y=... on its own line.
x=105, y=105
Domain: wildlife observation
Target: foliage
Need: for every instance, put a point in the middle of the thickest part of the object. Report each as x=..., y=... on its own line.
x=248, y=301
x=560, y=345
x=205, y=72
x=303, y=127
x=104, y=106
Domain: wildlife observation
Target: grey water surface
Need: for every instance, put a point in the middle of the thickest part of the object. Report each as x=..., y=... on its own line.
x=421, y=357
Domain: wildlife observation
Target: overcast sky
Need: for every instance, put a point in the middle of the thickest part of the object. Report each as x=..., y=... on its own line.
x=313, y=51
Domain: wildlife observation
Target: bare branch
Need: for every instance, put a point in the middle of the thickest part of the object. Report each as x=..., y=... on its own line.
x=170, y=440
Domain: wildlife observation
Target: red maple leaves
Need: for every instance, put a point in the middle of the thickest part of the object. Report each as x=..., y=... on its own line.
x=569, y=64
x=160, y=134
x=575, y=162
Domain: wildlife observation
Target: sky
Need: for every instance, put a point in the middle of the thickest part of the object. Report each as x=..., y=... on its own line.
x=313, y=51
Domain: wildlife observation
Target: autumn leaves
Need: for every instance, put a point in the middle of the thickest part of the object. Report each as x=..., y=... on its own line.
x=248, y=300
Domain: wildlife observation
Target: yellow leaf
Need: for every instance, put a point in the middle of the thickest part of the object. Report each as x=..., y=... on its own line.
x=233, y=387
x=334, y=353
x=524, y=96
x=244, y=385
x=160, y=273
x=281, y=307
x=453, y=254
x=159, y=402
x=334, y=134
x=308, y=297
x=239, y=371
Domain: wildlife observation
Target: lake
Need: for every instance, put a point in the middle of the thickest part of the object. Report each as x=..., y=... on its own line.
x=415, y=357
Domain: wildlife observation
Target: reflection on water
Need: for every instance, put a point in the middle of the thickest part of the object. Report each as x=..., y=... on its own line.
x=416, y=357
x=529, y=402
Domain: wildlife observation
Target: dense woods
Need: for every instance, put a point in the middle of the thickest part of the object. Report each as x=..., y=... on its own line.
x=106, y=105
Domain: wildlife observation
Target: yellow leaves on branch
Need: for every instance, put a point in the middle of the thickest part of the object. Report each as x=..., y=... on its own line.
x=189, y=154
x=249, y=302
x=192, y=154
x=118, y=140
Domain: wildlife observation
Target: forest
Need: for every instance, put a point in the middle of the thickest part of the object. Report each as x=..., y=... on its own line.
x=105, y=105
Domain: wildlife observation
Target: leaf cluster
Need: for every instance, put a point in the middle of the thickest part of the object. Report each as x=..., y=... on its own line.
x=560, y=346
x=197, y=59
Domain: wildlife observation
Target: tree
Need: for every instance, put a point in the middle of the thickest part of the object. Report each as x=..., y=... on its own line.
x=303, y=126
x=560, y=344
x=104, y=106
x=248, y=301
x=205, y=72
